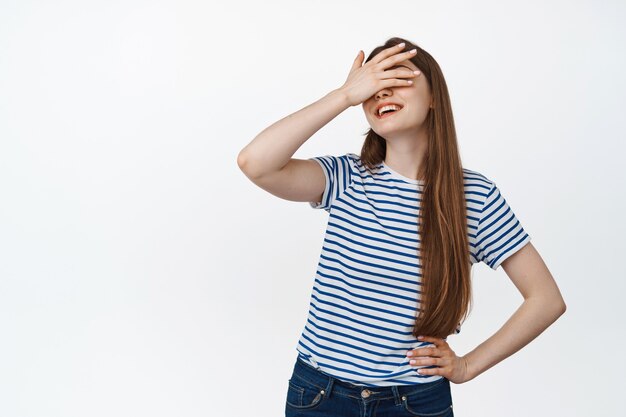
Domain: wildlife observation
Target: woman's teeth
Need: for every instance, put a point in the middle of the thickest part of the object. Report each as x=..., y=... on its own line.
x=385, y=110
x=387, y=114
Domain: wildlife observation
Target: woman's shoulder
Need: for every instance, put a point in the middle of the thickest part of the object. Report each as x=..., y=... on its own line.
x=360, y=167
x=473, y=178
x=353, y=157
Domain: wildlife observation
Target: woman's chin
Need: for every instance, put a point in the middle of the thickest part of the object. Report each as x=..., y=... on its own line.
x=385, y=131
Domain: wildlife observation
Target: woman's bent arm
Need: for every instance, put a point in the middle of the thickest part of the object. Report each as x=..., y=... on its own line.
x=273, y=148
x=542, y=306
x=529, y=320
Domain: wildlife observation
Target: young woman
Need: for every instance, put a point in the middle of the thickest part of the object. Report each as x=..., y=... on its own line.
x=407, y=222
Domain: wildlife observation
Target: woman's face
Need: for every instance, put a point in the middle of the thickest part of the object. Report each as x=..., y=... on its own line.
x=414, y=101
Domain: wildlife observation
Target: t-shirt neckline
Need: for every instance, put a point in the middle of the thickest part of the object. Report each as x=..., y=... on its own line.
x=401, y=177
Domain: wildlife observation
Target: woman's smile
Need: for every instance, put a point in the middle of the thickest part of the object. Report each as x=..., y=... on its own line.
x=388, y=114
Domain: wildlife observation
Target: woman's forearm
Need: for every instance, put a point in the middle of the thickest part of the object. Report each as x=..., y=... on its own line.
x=272, y=149
x=529, y=321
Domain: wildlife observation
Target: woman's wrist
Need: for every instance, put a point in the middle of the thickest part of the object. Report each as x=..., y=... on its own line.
x=470, y=372
x=341, y=97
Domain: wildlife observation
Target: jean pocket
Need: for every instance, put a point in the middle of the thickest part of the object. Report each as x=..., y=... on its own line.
x=303, y=395
x=435, y=402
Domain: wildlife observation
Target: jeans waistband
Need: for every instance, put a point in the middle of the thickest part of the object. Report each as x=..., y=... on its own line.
x=329, y=384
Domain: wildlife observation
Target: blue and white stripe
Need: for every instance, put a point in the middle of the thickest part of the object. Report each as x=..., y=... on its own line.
x=367, y=286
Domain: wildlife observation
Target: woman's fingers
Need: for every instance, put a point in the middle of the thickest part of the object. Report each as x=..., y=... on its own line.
x=440, y=350
x=398, y=73
x=425, y=359
x=388, y=62
x=358, y=61
x=387, y=53
x=445, y=361
x=423, y=352
x=437, y=341
x=364, y=80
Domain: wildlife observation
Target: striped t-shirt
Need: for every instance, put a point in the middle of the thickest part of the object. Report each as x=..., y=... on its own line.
x=365, y=294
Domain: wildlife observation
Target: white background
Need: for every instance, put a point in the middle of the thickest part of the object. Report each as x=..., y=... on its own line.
x=142, y=273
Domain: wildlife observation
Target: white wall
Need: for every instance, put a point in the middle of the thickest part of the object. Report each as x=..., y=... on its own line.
x=141, y=272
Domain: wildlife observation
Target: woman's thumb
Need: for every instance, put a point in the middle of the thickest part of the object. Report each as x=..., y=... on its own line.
x=357, y=60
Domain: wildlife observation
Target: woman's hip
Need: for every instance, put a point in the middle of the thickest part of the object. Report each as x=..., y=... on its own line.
x=312, y=392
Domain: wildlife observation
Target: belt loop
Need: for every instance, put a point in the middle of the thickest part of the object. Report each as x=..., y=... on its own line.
x=329, y=387
x=396, y=394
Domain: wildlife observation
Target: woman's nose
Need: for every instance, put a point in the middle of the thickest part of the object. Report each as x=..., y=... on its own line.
x=385, y=92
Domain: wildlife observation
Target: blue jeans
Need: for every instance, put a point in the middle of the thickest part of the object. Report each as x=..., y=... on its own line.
x=312, y=393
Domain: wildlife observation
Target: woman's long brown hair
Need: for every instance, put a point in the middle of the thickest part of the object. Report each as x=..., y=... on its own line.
x=445, y=298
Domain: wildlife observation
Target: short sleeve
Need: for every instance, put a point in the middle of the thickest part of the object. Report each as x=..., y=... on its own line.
x=500, y=234
x=338, y=173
